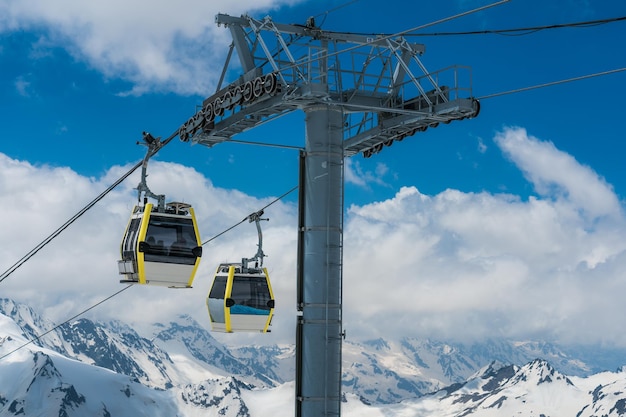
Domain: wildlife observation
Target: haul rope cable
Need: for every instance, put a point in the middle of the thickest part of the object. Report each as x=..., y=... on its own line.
x=65, y=322
x=128, y=286
x=248, y=217
x=407, y=32
x=75, y=217
x=525, y=30
x=528, y=30
x=295, y=38
x=568, y=80
x=384, y=37
x=334, y=9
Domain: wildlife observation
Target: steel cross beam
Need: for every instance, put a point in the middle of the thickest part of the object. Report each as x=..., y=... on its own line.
x=359, y=94
x=379, y=82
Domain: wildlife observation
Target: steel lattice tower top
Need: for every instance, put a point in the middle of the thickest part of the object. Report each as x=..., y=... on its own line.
x=359, y=94
x=380, y=83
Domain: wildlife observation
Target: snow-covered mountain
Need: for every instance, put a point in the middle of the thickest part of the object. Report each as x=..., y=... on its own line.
x=41, y=382
x=36, y=381
x=535, y=389
x=177, y=353
x=88, y=368
x=381, y=371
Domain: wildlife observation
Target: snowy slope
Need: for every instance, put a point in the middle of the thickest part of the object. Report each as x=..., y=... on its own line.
x=381, y=371
x=182, y=351
x=607, y=390
x=36, y=381
x=175, y=354
x=39, y=382
x=187, y=372
x=535, y=389
x=199, y=355
x=114, y=346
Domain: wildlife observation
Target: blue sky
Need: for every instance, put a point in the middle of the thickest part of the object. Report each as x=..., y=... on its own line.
x=72, y=108
x=80, y=82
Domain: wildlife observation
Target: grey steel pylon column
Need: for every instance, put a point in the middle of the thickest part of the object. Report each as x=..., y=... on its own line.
x=318, y=377
x=361, y=93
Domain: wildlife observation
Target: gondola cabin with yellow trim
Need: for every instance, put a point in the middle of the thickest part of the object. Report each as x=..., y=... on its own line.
x=161, y=248
x=240, y=299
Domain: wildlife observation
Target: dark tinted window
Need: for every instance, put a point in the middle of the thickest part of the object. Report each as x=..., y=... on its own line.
x=219, y=288
x=251, y=291
x=170, y=240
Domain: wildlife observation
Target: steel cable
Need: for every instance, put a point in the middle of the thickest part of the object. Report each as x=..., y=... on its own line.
x=76, y=216
x=128, y=286
x=65, y=322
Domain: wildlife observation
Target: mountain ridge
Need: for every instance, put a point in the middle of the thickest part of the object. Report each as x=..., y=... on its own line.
x=184, y=366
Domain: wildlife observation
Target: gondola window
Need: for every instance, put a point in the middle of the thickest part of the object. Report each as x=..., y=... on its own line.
x=170, y=240
x=251, y=296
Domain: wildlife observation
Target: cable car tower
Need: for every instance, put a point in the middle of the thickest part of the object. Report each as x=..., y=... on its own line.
x=359, y=94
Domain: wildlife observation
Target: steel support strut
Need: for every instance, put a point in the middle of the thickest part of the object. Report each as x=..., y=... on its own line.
x=318, y=345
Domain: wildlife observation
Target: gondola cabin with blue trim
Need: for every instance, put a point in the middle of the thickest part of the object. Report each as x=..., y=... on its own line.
x=161, y=248
x=240, y=299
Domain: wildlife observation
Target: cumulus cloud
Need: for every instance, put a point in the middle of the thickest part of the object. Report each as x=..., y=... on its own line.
x=467, y=265
x=79, y=268
x=557, y=174
x=452, y=265
x=155, y=45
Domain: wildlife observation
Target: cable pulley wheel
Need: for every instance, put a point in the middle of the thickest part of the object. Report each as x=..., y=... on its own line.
x=257, y=87
x=247, y=92
x=270, y=85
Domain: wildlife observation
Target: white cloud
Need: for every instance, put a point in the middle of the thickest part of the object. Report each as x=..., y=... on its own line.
x=455, y=264
x=79, y=268
x=161, y=45
x=557, y=174
x=472, y=265
x=355, y=174
x=482, y=148
x=22, y=86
